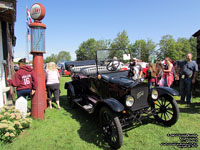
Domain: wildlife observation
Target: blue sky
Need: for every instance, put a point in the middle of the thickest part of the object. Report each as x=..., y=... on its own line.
x=70, y=22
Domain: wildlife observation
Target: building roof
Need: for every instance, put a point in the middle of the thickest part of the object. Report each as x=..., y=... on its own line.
x=196, y=33
x=8, y=10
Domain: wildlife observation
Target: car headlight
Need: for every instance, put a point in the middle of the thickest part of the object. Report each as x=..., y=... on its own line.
x=129, y=101
x=154, y=94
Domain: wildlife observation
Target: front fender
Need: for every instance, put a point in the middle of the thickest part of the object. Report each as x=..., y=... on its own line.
x=114, y=104
x=166, y=90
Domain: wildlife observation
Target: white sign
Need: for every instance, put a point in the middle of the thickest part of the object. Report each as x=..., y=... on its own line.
x=21, y=105
x=35, y=11
x=126, y=56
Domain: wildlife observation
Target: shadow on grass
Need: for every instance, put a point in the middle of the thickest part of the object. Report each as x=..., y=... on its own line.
x=189, y=108
x=89, y=130
x=150, y=120
x=138, y=124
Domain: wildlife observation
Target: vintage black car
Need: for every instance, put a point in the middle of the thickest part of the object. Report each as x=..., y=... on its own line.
x=119, y=99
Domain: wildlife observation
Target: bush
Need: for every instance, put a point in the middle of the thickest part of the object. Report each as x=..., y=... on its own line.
x=12, y=123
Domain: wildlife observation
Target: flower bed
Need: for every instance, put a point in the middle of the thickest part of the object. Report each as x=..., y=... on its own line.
x=12, y=123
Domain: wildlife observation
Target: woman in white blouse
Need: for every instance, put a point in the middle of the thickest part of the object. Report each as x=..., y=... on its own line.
x=53, y=83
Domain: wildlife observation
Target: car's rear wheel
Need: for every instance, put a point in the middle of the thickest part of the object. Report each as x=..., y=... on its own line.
x=111, y=127
x=166, y=109
x=70, y=98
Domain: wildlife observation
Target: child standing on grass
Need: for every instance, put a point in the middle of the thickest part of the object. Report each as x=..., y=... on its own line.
x=159, y=69
x=53, y=83
x=151, y=75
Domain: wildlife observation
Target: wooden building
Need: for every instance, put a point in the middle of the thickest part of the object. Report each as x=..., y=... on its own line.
x=197, y=35
x=7, y=42
x=197, y=84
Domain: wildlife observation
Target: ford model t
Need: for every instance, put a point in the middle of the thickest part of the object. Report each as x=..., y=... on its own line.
x=119, y=98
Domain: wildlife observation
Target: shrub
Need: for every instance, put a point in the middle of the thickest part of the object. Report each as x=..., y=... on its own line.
x=12, y=123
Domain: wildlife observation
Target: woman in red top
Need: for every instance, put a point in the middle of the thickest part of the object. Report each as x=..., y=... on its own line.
x=168, y=75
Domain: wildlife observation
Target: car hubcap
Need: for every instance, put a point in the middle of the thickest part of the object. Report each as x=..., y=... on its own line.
x=164, y=109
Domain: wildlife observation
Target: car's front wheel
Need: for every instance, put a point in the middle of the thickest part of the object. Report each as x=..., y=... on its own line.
x=166, y=109
x=111, y=127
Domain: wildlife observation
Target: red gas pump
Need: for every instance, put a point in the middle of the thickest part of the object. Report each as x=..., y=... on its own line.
x=38, y=103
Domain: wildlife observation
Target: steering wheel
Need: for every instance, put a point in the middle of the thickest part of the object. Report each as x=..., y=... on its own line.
x=113, y=65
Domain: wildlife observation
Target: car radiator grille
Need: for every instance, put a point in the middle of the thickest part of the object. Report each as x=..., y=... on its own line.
x=140, y=94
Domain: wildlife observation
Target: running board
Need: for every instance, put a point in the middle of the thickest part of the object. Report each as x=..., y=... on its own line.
x=89, y=107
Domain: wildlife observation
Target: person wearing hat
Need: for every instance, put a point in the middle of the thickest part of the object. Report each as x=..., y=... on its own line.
x=24, y=80
x=137, y=69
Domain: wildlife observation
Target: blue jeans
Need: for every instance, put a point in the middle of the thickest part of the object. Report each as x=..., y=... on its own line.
x=185, y=86
x=24, y=93
x=150, y=85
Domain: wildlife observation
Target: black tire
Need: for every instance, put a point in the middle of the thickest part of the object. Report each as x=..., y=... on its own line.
x=111, y=127
x=166, y=109
x=70, y=98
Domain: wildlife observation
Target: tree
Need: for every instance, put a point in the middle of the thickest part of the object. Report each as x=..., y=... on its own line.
x=132, y=50
x=185, y=47
x=140, y=45
x=52, y=58
x=149, y=51
x=87, y=50
x=120, y=42
x=193, y=45
x=179, y=50
x=144, y=49
x=63, y=56
x=167, y=48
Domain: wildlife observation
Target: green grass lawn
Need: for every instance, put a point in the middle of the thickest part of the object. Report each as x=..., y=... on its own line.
x=74, y=129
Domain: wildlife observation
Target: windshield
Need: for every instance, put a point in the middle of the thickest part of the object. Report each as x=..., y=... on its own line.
x=113, y=59
x=109, y=54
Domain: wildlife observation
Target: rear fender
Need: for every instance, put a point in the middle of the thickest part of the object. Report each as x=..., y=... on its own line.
x=69, y=85
x=114, y=104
